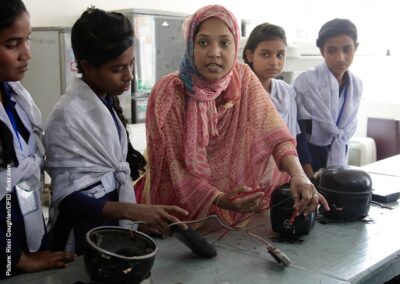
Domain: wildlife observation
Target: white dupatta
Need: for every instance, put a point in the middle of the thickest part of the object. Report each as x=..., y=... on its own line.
x=284, y=98
x=317, y=96
x=26, y=178
x=83, y=147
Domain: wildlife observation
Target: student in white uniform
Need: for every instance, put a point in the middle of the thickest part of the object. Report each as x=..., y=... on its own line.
x=22, y=227
x=265, y=53
x=89, y=157
x=328, y=99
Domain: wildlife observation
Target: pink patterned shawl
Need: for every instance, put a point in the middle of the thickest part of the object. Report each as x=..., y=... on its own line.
x=197, y=149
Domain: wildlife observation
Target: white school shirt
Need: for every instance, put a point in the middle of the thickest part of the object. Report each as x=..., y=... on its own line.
x=284, y=98
x=26, y=178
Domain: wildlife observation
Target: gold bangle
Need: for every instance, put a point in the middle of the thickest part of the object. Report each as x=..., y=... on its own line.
x=216, y=200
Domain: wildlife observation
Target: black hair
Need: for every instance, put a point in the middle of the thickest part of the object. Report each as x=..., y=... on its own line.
x=336, y=27
x=135, y=160
x=261, y=33
x=9, y=11
x=98, y=37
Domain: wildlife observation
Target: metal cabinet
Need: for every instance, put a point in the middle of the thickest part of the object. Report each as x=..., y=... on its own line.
x=159, y=47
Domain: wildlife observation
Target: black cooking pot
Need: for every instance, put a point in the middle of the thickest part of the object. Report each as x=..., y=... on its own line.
x=118, y=255
x=281, y=214
x=348, y=191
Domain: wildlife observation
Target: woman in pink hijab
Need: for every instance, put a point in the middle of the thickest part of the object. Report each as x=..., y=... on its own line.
x=213, y=134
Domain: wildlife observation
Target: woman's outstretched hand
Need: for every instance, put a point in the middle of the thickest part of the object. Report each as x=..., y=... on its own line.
x=243, y=199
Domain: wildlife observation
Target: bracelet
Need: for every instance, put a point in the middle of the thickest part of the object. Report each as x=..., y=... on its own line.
x=216, y=200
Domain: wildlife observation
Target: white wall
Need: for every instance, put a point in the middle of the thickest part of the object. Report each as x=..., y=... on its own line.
x=65, y=12
x=377, y=19
x=377, y=22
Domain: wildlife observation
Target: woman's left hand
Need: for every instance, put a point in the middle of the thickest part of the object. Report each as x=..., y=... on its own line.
x=242, y=199
x=306, y=197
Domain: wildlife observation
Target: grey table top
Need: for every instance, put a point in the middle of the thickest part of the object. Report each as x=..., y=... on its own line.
x=355, y=252
x=388, y=166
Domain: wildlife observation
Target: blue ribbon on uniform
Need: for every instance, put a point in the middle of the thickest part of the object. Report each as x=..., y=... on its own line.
x=9, y=106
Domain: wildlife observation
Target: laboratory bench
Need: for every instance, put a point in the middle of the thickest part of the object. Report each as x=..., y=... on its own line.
x=366, y=251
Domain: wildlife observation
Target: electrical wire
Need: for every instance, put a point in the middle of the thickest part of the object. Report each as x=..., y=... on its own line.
x=277, y=254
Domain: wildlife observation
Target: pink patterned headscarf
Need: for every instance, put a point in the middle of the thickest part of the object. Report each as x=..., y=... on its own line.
x=201, y=110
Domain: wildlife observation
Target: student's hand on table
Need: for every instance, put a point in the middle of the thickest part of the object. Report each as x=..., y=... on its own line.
x=306, y=197
x=43, y=260
x=157, y=217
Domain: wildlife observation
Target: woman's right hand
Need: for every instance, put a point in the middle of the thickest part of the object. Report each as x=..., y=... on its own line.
x=43, y=260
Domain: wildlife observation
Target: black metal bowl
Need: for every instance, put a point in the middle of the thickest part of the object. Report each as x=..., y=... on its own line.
x=281, y=214
x=118, y=255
